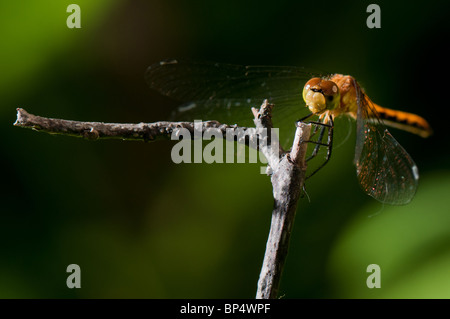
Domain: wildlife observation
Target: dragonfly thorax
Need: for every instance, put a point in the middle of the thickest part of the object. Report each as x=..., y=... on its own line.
x=347, y=89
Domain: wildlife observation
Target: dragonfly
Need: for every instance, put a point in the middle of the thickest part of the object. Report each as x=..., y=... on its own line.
x=226, y=92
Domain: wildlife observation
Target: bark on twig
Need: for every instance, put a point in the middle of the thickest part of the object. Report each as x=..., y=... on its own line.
x=98, y=130
x=287, y=181
x=287, y=169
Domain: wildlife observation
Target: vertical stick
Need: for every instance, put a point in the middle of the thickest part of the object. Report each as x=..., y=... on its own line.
x=287, y=180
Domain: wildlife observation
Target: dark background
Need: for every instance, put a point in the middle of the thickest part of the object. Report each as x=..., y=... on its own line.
x=141, y=226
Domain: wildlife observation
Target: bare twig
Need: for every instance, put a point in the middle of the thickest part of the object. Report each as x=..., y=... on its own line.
x=288, y=168
x=140, y=132
x=287, y=182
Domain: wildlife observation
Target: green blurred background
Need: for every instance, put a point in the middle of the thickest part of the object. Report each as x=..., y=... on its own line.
x=140, y=226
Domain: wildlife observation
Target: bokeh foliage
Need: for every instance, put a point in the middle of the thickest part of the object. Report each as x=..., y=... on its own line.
x=139, y=225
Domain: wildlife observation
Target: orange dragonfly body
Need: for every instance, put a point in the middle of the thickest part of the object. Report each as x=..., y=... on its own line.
x=384, y=169
x=348, y=90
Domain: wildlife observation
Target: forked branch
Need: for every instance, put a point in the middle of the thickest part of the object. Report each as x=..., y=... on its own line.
x=287, y=169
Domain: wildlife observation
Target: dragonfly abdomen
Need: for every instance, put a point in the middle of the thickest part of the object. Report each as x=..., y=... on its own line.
x=404, y=121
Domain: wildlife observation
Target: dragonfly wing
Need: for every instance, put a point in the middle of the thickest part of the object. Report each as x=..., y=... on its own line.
x=384, y=169
x=287, y=110
x=188, y=81
x=226, y=92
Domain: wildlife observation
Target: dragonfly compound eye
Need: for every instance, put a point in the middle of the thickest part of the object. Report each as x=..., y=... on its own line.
x=331, y=92
x=321, y=95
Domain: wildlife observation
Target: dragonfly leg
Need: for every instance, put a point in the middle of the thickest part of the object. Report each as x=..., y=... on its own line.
x=319, y=142
x=317, y=147
x=329, y=144
x=316, y=128
x=306, y=117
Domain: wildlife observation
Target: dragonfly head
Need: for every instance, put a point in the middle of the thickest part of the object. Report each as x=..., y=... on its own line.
x=321, y=95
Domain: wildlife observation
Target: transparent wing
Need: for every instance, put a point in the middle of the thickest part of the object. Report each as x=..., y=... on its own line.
x=384, y=169
x=188, y=81
x=226, y=92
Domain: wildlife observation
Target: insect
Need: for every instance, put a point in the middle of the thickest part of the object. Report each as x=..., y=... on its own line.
x=226, y=92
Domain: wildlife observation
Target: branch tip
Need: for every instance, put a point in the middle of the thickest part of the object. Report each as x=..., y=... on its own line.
x=298, y=151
